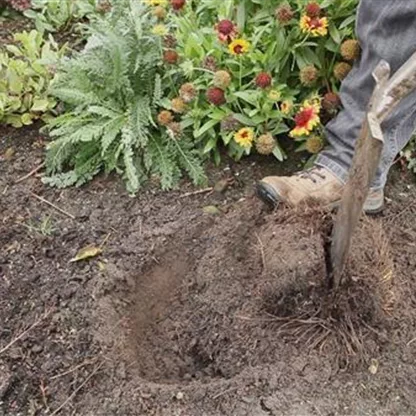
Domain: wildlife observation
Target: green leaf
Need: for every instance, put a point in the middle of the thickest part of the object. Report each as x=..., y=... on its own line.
x=212, y=142
x=227, y=138
x=259, y=119
x=278, y=153
x=208, y=125
x=31, y=14
x=14, y=50
x=311, y=57
x=190, y=162
x=250, y=96
x=334, y=33
x=14, y=120
x=246, y=121
x=310, y=162
x=186, y=122
x=280, y=128
x=15, y=82
x=347, y=22
x=301, y=147
x=217, y=156
x=217, y=114
x=26, y=119
x=331, y=46
x=40, y=105
x=241, y=16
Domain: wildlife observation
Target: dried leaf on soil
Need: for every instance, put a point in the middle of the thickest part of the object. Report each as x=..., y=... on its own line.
x=9, y=153
x=87, y=253
x=211, y=210
x=373, y=367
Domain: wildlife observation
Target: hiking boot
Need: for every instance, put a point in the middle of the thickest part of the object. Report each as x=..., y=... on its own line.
x=315, y=184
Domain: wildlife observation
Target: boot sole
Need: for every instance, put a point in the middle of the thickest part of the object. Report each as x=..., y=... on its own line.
x=272, y=198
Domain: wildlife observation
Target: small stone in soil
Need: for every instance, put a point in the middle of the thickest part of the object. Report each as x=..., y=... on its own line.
x=247, y=399
x=37, y=348
x=179, y=396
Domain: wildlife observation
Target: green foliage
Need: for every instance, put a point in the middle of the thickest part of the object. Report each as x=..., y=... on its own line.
x=26, y=69
x=43, y=226
x=111, y=91
x=53, y=15
x=280, y=49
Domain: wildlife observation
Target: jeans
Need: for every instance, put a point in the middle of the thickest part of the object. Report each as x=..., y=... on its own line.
x=386, y=30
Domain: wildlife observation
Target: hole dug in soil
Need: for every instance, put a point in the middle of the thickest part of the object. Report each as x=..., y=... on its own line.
x=243, y=290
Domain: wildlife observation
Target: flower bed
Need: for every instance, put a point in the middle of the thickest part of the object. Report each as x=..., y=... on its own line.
x=253, y=70
x=164, y=84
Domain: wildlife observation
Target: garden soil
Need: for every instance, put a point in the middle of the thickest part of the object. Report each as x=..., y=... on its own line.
x=199, y=304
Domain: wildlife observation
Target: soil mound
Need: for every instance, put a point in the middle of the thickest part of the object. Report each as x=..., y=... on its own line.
x=228, y=292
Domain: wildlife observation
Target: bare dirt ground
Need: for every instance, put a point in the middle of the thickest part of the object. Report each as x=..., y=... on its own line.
x=184, y=313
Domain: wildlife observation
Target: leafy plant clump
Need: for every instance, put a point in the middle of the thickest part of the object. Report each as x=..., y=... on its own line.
x=26, y=69
x=53, y=15
x=259, y=69
x=111, y=92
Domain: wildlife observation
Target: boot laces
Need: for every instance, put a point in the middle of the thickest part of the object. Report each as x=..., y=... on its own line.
x=311, y=174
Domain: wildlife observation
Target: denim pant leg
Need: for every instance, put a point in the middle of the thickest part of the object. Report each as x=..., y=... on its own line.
x=386, y=30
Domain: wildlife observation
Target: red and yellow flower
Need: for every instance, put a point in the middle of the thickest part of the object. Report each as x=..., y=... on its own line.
x=244, y=137
x=226, y=30
x=315, y=26
x=239, y=46
x=306, y=119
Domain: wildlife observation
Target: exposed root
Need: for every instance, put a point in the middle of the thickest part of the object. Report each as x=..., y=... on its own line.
x=307, y=310
x=250, y=285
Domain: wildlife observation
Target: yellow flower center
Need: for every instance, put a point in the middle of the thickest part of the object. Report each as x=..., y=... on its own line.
x=239, y=46
x=244, y=137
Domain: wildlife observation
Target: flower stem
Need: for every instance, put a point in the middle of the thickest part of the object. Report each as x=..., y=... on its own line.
x=173, y=85
x=204, y=70
x=241, y=73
